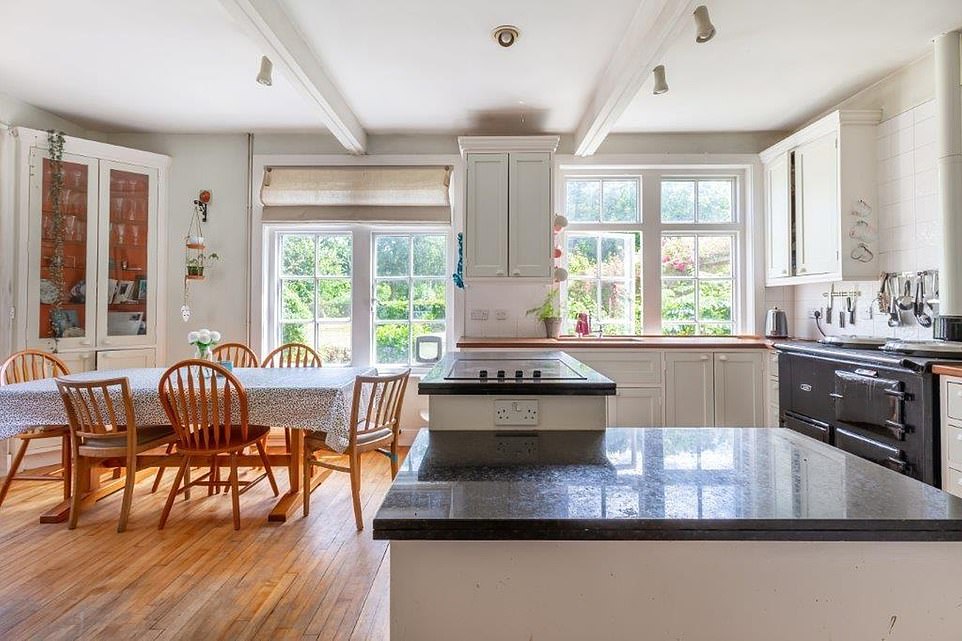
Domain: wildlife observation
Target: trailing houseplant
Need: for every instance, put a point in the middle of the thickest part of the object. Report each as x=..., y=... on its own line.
x=55, y=142
x=549, y=312
x=196, y=264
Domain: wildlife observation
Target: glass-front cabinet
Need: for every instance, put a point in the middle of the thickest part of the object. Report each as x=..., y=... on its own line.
x=93, y=278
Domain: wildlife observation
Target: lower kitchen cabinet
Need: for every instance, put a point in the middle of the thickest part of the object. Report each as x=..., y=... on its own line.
x=635, y=407
x=689, y=389
x=951, y=399
x=78, y=361
x=724, y=389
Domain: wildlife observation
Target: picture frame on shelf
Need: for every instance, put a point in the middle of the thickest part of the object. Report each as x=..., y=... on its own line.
x=141, y=288
x=125, y=291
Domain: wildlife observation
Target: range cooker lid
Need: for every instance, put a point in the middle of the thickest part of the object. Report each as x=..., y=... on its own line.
x=934, y=348
x=482, y=369
x=853, y=341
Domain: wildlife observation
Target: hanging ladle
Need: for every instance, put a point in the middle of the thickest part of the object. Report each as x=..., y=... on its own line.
x=895, y=318
x=920, y=314
x=906, y=302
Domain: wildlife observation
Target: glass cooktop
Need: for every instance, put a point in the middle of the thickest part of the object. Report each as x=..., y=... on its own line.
x=481, y=369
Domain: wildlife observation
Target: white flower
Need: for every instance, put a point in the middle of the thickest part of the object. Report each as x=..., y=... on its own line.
x=203, y=336
x=214, y=337
x=192, y=337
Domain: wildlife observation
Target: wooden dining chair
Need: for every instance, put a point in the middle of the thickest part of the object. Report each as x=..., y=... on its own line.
x=292, y=355
x=22, y=367
x=207, y=407
x=102, y=426
x=239, y=354
x=375, y=427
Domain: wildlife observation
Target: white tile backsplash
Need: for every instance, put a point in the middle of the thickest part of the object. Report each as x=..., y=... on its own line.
x=512, y=297
x=910, y=236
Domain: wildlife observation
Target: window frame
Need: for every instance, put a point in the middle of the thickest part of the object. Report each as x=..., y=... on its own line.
x=362, y=282
x=410, y=278
x=651, y=228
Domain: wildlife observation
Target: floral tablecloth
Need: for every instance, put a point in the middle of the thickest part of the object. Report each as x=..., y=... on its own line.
x=317, y=399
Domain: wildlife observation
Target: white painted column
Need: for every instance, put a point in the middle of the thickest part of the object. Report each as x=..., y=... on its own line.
x=948, y=100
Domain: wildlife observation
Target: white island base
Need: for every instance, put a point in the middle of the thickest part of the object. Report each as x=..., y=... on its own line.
x=675, y=590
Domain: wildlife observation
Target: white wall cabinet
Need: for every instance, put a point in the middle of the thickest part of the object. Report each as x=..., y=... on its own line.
x=508, y=215
x=125, y=359
x=822, y=202
x=951, y=393
x=114, y=252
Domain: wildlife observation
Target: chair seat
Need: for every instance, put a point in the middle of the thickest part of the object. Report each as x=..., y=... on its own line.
x=315, y=440
x=254, y=434
x=152, y=435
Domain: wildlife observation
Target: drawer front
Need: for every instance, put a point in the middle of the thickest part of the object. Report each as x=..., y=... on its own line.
x=953, y=437
x=953, y=482
x=872, y=450
x=953, y=400
x=815, y=429
x=628, y=367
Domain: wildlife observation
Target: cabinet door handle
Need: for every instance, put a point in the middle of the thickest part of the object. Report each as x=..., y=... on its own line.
x=802, y=270
x=85, y=342
x=106, y=342
x=516, y=272
x=723, y=358
x=784, y=272
x=500, y=272
x=705, y=357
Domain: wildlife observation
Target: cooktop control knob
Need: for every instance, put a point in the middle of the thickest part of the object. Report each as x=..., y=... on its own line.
x=483, y=374
x=501, y=374
x=536, y=373
x=519, y=373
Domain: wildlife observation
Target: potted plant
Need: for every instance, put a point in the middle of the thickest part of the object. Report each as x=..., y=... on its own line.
x=196, y=264
x=549, y=311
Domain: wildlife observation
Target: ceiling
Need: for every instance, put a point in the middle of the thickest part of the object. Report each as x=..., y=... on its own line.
x=431, y=65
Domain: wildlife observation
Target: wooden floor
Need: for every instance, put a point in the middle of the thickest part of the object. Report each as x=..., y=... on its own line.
x=314, y=578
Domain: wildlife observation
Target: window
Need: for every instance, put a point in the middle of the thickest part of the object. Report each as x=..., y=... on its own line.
x=674, y=254
x=603, y=276
x=410, y=294
x=315, y=293
x=361, y=294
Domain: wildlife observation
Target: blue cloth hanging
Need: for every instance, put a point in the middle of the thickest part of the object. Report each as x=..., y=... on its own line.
x=458, y=275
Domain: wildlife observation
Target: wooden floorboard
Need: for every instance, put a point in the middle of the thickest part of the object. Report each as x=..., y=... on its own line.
x=314, y=578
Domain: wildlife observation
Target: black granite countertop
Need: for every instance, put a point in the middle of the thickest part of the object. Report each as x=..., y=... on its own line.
x=655, y=483
x=580, y=379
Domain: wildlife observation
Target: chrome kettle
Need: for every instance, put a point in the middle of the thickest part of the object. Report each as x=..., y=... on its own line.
x=776, y=324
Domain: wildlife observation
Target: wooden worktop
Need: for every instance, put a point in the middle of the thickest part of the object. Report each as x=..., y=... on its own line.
x=614, y=342
x=947, y=370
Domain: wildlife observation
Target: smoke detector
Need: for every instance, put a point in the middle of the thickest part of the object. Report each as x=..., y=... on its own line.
x=506, y=35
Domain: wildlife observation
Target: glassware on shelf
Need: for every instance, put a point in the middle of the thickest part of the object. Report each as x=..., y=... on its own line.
x=70, y=228
x=135, y=234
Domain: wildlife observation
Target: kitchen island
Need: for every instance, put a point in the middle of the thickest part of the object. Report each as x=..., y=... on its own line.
x=665, y=533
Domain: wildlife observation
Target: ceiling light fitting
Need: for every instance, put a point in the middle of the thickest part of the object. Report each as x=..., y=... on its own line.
x=506, y=35
x=704, y=29
x=661, y=84
x=264, y=76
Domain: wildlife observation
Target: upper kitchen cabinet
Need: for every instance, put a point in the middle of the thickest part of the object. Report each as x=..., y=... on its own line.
x=821, y=202
x=508, y=211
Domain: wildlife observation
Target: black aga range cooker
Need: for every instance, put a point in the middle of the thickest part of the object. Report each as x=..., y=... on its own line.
x=881, y=406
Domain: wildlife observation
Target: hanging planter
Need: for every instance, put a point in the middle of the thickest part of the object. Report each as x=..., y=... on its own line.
x=195, y=257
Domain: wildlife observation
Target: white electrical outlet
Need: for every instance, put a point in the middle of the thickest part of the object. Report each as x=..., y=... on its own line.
x=811, y=312
x=500, y=314
x=516, y=412
x=479, y=314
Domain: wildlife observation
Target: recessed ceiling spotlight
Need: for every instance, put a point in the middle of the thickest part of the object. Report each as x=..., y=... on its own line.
x=661, y=85
x=506, y=35
x=264, y=76
x=705, y=30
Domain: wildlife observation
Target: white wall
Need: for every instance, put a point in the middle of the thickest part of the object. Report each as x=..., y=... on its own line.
x=217, y=163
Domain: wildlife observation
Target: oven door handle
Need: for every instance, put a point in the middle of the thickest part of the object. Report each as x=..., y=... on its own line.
x=836, y=395
x=896, y=464
x=897, y=429
x=895, y=393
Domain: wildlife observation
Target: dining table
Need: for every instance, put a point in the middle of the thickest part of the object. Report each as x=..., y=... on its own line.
x=297, y=399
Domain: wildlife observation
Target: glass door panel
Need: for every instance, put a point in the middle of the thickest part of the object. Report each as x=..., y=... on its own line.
x=129, y=196
x=62, y=313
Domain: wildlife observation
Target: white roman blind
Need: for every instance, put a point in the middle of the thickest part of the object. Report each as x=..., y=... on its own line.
x=398, y=194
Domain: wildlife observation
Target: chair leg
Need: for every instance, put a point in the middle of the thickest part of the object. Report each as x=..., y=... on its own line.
x=173, y=492
x=235, y=490
x=394, y=457
x=14, y=467
x=67, y=457
x=267, y=466
x=78, y=469
x=160, y=471
x=356, y=490
x=306, y=468
x=130, y=477
x=211, y=476
x=187, y=483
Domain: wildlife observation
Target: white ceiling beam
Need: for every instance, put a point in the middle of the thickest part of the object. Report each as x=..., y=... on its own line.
x=287, y=49
x=655, y=25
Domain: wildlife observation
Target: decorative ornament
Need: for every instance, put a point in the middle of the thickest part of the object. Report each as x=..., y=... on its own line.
x=557, y=252
x=560, y=222
x=458, y=275
x=560, y=274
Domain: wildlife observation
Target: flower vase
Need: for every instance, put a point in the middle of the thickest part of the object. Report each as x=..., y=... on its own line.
x=204, y=353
